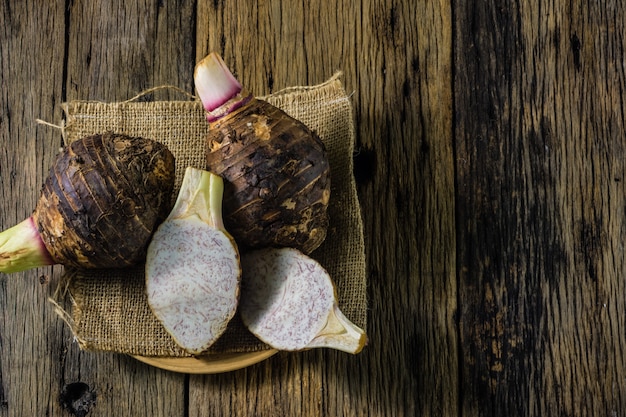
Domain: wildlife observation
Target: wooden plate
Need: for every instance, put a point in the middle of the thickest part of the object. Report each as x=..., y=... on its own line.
x=209, y=364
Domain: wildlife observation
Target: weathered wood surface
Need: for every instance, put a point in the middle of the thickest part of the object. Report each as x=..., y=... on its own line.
x=539, y=110
x=491, y=174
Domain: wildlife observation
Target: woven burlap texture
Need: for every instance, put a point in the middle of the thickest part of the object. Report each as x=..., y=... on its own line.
x=107, y=310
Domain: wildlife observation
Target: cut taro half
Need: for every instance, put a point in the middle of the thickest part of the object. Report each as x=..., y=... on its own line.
x=192, y=266
x=288, y=301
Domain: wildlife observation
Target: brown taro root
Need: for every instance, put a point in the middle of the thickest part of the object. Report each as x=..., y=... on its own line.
x=192, y=266
x=288, y=301
x=98, y=208
x=276, y=168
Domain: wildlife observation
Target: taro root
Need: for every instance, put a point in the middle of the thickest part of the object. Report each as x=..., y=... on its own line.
x=276, y=168
x=192, y=266
x=98, y=208
x=288, y=301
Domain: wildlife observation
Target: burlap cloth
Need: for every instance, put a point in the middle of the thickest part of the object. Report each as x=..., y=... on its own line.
x=107, y=310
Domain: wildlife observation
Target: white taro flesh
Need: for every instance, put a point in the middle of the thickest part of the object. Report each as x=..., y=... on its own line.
x=192, y=267
x=288, y=301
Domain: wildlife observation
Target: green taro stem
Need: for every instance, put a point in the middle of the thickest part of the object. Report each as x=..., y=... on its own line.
x=21, y=248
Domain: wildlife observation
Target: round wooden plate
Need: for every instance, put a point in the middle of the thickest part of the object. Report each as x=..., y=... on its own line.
x=209, y=364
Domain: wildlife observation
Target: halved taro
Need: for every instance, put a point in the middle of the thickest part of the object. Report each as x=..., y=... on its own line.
x=288, y=301
x=192, y=266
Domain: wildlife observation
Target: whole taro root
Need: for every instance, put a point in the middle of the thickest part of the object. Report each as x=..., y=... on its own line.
x=276, y=168
x=103, y=198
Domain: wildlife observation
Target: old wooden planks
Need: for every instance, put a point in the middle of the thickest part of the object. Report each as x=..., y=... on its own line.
x=539, y=112
x=491, y=176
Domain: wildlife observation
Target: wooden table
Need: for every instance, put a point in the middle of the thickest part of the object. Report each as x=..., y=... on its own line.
x=490, y=170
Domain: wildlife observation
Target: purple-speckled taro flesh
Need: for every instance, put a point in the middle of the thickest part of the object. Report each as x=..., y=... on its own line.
x=192, y=279
x=286, y=297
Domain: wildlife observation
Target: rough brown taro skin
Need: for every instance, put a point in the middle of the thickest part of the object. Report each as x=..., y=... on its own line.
x=277, y=177
x=103, y=199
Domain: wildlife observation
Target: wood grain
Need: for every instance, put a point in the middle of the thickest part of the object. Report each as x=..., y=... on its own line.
x=490, y=165
x=29, y=330
x=401, y=79
x=403, y=106
x=540, y=186
x=118, y=49
x=114, y=51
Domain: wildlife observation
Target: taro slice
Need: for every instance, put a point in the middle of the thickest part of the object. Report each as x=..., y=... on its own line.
x=288, y=301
